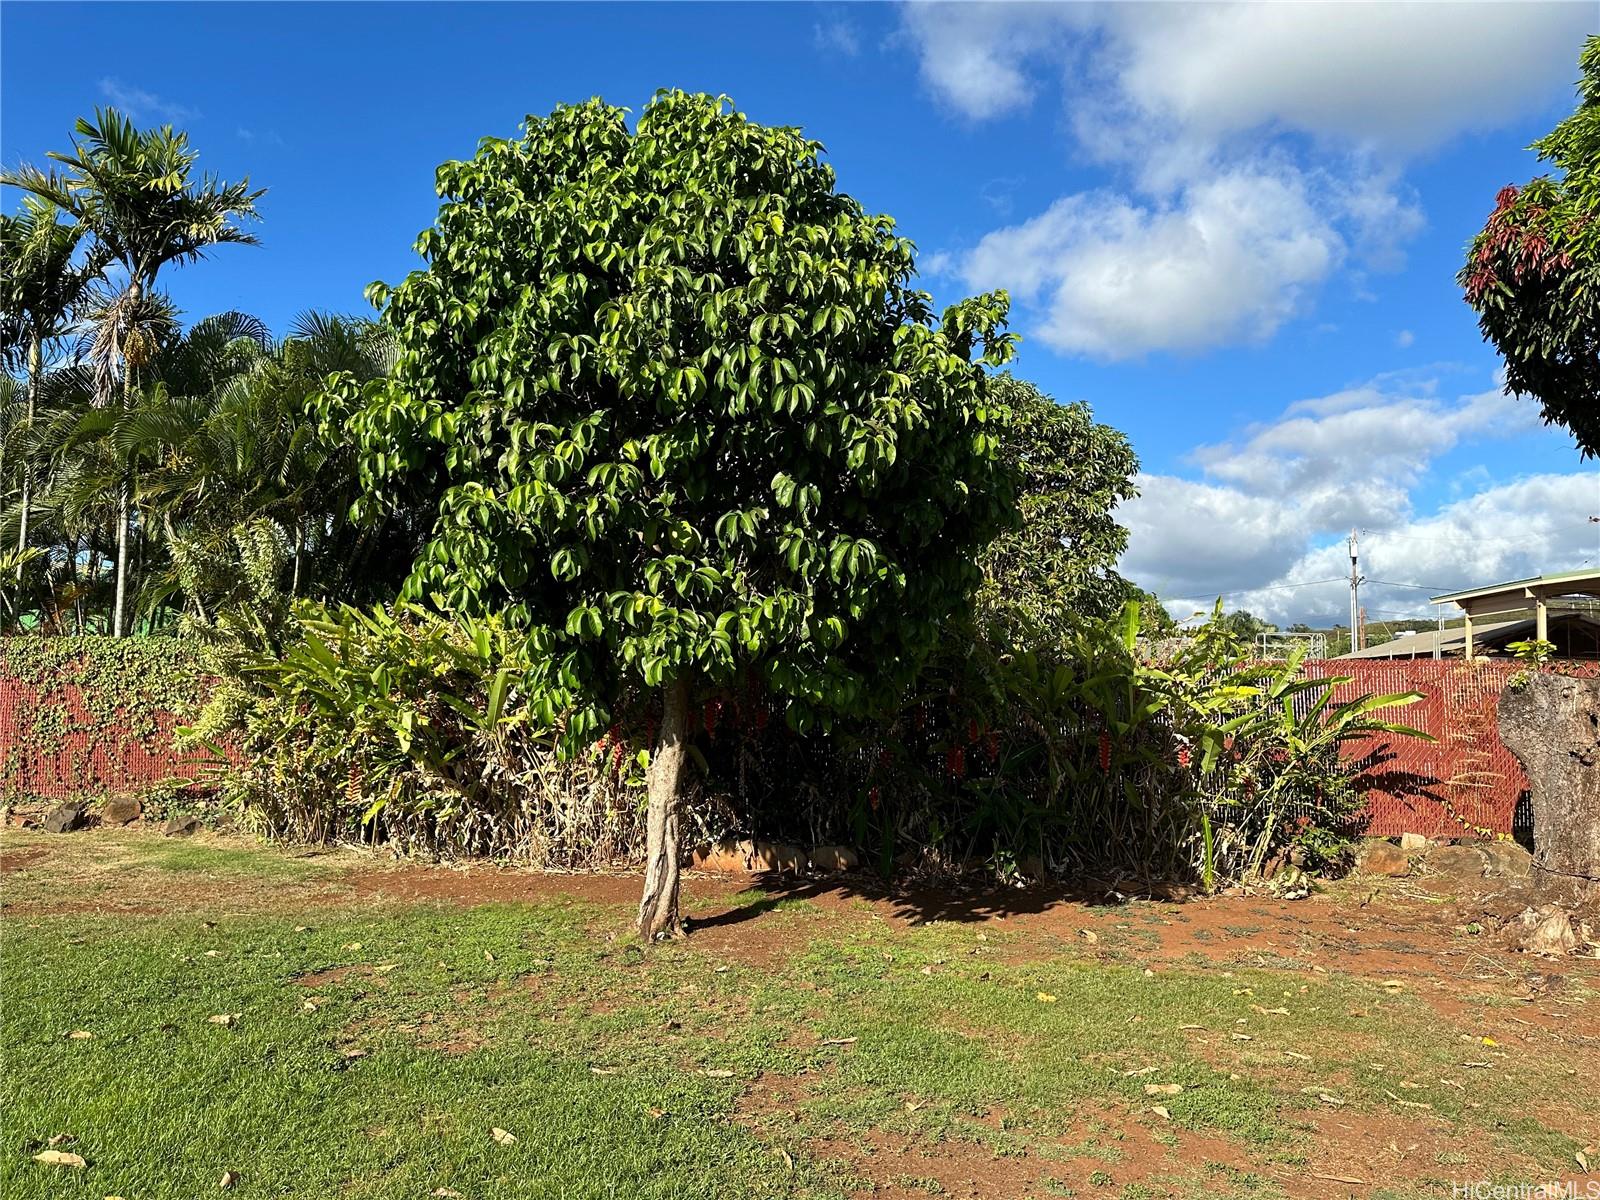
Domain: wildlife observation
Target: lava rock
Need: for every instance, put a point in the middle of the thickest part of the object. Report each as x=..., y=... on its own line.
x=181, y=826
x=834, y=858
x=121, y=810
x=1385, y=858
x=64, y=818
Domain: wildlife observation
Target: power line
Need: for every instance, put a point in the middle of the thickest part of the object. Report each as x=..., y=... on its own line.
x=1421, y=587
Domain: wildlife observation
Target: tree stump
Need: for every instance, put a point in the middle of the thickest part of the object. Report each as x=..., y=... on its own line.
x=1552, y=724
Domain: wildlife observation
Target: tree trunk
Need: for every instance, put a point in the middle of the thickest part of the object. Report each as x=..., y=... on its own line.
x=658, y=910
x=35, y=363
x=1552, y=724
x=122, y=560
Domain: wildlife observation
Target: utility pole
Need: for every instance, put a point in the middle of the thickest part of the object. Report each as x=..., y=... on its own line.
x=1357, y=642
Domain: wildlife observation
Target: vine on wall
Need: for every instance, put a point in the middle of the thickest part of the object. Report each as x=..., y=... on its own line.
x=88, y=717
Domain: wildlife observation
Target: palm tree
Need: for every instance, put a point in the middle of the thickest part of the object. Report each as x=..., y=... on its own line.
x=135, y=192
x=44, y=286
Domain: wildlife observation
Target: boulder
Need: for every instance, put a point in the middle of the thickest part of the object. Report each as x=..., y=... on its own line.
x=834, y=858
x=1547, y=930
x=121, y=810
x=777, y=856
x=1463, y=862
x=727, y=856
x=64, y=818
x=1552, y=724
x=1413, y=842
x=1507, y=860
x=181, y=826
x=1385, y=858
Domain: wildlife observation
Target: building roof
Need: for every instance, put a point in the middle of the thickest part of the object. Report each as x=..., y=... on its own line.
x=1448, y=642
x=1520, y=591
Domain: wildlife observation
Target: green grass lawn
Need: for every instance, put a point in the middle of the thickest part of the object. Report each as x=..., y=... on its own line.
x=364, y=1048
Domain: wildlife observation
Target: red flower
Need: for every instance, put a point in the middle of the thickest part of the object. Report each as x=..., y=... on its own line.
x=712, y=710
x=616, y=755
x=1105, y=751
x=991, y=745
x=761, y=717
x=873, y=797
x=1183, y=756
x=955, y=759
x=972, y=730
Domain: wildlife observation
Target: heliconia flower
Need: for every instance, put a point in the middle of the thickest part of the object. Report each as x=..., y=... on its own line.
x=1105, y=751
x=956, y=760
x=873, y=797
x=1183, y=756
x=616, y=755
x=712, y=710
x=991, y=745
x=972, y=730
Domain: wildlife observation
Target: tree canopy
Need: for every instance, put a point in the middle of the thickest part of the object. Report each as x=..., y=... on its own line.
x=1533, y=272
x=1059, y=564
x=686, y=419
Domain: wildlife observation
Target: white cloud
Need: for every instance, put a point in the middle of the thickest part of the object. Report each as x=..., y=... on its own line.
x=1180, y=100
x=1276, y=503
x=837, y=36
x=1405, y=339
x=140, y=105
x=1228, y=260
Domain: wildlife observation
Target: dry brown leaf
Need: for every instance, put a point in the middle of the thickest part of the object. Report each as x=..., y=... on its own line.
x=352, y=945
x=1138, y=1071
x=1339, y=1179
x=1047, y=998
x=1297, y=1054
x=79, y=1035
x=60, y=1139
x=717, y=1073
x=1089, y=936
x=448, y=1193
x=502, y=1136
x=308, y=1006
x=224, y=1018
x=602, y=1070
x=60, y=1158
x=788, y=1161
x=1269, y=1012
x=1582, y=1160
x=1191, y=1026
x=229, y=1178
x=1327, y=1099
x=1160, y=1110
x=1162, y=1089
x=849, y=1041
x=487, y=957
x=386, y=968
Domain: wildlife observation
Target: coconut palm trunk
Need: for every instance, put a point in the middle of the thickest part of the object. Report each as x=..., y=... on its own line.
x=35, y=366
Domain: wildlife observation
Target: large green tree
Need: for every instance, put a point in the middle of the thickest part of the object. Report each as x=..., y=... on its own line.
x=686, y=419
x=1533, y=272
x=136, y=193
x=1059, y=564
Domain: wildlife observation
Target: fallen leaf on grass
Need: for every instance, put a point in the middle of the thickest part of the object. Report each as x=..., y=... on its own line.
x=1269, y=1012
x=487, y=957
x=352, y=946
x=352, y=1052
x=1138, y=1071
x=1089, y=936
x=849, y=1041
x=213, y=953
x=1047, y=998
x=229, y=1178
x=308, y=1006
x=1241, y=1037
x=60, y=1158
x=1162, y=1089
x=79, y=1035
x=1339, y=1179
x=448, y=1193
x=788, y=1161
x=1297, y=1054
x=657, y=1113
x=1160, y=1110
x=60, y=1139
x=386, y=968
x=602, y=1070
x=1489, y=1041
x=1582, y=1161
x=502, y=1136
x=224, y=1019
x=1327, y=1099
x=717, y=1073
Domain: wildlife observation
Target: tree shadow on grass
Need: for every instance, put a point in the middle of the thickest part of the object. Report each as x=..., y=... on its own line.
x=957, y=901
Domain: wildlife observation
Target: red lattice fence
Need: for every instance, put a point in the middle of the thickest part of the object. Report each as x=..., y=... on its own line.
x=87, y=717
x=1465, y=783
x=69, y=729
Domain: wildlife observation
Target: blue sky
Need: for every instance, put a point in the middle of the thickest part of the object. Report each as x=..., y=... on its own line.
x=1233, y=231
